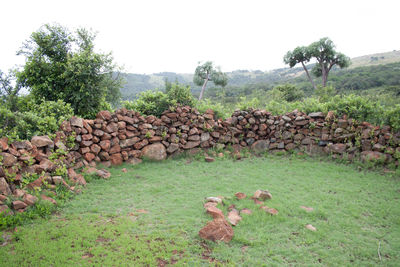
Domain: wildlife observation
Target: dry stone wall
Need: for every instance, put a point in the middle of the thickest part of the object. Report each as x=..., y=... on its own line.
x=126, y=135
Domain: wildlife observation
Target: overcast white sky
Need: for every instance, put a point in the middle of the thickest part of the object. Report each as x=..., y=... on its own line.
x=159, y=35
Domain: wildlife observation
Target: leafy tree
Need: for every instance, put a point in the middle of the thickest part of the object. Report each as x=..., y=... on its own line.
x=325, y=54
x=206, y=72
x=301, y=55
x=63, y=65
x=8, y=92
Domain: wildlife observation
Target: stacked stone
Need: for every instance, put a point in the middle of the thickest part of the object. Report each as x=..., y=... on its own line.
x=24, y=158
x=126, y=135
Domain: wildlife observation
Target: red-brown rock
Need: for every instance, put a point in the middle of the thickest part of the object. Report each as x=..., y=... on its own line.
x=234, y=217
x=30, y=199
x=217, y=230
x=95, y=148
x=8, y=159
x=240, y=195
x=155, y=152
x=4, y=188
x=104, y=115
x=44, y=197
x=41, y=141
x=3, y=144
x=215, y=212
x=116, y=159
x=17, y=205
x=115, y=149
x=89, y=157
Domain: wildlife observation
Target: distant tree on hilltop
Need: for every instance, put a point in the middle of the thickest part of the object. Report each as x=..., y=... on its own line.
x=325, y=54
x=206, y=72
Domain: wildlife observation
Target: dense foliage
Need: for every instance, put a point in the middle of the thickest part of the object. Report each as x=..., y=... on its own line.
x=33, y=118
x=62, y=65
x=155, y=102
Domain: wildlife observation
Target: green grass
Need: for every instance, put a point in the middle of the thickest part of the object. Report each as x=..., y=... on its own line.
x=151, y=216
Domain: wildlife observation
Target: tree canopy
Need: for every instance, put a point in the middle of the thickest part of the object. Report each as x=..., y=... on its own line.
x=63, y=65
x=323, y=51
x=207, y=72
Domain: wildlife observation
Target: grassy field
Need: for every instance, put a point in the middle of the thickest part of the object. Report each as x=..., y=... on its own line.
x=151, y=215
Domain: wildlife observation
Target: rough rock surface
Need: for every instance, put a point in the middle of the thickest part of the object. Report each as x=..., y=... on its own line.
x=155, y=152
x=217, y=230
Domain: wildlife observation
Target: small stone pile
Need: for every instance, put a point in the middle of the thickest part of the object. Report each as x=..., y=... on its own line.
x=23, y=158
x=220, y=228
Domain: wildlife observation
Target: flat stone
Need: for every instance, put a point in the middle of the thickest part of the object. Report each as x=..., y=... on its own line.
x=269, y=210
x=44, y=197
x=215, y=212
x=129, y=142
x=77, y=122
x=316, y=115
x=17, y=205
x=262, y=194
x=240, y=195
x=209, y=159
x=246, y=211
x=214, y=199
x=29, y=199
x=191, y=144
x=311, y=228
x=234, y=217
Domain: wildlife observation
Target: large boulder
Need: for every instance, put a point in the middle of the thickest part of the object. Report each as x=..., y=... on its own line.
x=217, y=230
x=155, y=152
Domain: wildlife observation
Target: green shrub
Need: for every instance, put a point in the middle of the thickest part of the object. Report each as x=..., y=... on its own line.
x=149, y=103
x=219, y=110
x=392, y=117
x=33, y=118
x=181, y=94
x=156, y=102
x=288, y=92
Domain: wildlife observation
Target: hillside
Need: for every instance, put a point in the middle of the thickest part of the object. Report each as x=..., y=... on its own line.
x=136, y=83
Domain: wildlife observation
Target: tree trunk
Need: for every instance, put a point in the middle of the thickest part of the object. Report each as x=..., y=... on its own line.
x=204, y=87
x=309, y=77
x=324, y=75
